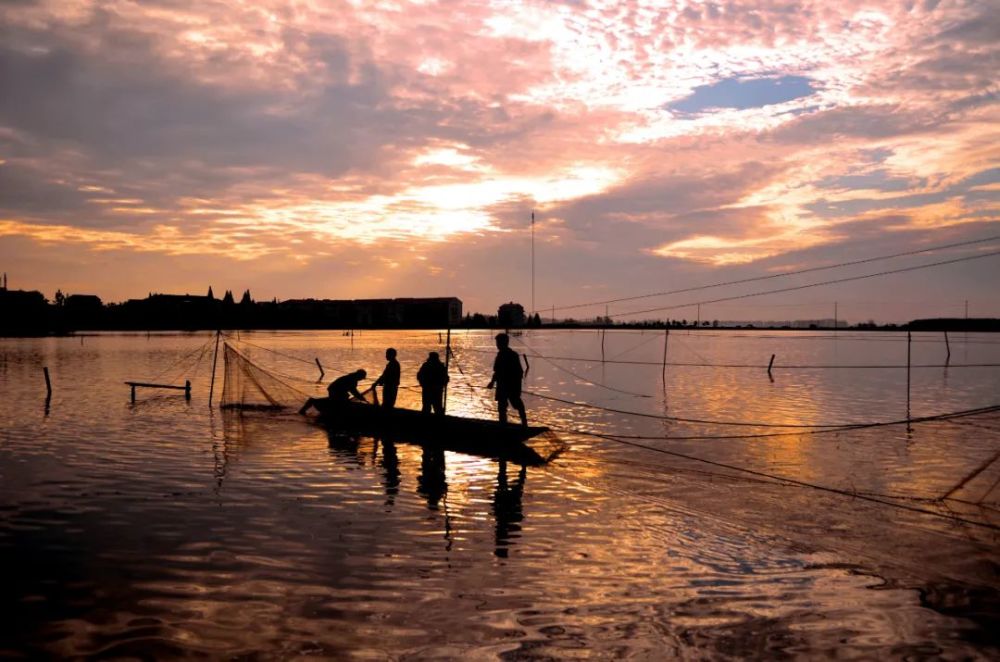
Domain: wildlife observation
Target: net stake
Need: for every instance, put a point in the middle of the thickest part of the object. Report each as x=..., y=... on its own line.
x=215, y=360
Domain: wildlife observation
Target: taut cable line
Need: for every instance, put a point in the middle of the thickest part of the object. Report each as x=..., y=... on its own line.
x=795, y=288
x=782, y=274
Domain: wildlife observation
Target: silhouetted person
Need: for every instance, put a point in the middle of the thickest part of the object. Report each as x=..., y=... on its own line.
x=432, y=377
x=507, y=375
x=389, y=380
x=340, y=391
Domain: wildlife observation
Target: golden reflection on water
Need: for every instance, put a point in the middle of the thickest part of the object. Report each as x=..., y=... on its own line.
x=175, y=529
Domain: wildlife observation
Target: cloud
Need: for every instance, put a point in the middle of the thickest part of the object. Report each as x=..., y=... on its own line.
x=658, y=140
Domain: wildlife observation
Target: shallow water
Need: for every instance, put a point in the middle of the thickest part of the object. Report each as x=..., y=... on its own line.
x=170, y=528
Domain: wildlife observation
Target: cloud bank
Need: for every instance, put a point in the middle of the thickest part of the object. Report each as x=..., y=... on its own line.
x=391, y=148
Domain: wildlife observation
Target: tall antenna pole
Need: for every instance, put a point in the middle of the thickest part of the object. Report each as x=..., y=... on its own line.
x=532, y=261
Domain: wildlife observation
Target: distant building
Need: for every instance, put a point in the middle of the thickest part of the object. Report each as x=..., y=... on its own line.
x=361, y=313
x=510, y=314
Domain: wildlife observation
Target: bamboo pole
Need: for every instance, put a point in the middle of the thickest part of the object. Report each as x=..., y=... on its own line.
x=215, y=360
x=666, y=340
x=975, y=472
x=909, y=341
x=947, y=346
x=447, y=363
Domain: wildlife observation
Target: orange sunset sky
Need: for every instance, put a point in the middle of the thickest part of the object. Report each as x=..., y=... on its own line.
x=370, y=149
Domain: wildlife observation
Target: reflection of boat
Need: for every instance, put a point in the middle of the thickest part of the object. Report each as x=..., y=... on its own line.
x=465, y=435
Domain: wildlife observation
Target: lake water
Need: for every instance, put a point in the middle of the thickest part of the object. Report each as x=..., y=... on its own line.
x=168, y=528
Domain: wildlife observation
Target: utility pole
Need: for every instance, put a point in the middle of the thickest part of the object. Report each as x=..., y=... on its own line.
x=835, y=324
x=966, y=309
x=532, y=261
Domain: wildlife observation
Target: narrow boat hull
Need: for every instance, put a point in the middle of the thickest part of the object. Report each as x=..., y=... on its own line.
x=465, y=435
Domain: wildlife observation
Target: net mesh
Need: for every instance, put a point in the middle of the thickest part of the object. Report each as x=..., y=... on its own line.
x=248, y=386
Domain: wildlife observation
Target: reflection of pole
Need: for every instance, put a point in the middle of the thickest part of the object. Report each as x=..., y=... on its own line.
x=215, y=360
x=447, y=361
x=48, y=390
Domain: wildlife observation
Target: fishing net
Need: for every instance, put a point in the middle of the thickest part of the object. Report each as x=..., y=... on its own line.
x=246, y=385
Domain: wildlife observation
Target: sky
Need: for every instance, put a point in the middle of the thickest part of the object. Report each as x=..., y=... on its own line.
x=390, y=149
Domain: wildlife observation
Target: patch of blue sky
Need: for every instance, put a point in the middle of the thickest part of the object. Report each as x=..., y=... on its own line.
x=878, y=180
x=742, y=93
x=827, y=209
x=991, y=176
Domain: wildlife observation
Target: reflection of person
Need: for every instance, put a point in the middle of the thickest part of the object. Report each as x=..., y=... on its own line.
x=432, y=482
x=432, y=377
x=507, y=510
x=389, y=380
x=339, y=392
x=390, y=468
x=507, y=375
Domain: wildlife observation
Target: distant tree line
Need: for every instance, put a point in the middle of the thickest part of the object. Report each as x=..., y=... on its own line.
x=30, y=313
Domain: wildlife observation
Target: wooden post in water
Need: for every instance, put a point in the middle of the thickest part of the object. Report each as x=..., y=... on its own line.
x=447, y=362
x=947, y=346
x=666, y=340
x=770, y=364
x=320, y=366
x=215, y=360
x=187, y=390
x=909, y=341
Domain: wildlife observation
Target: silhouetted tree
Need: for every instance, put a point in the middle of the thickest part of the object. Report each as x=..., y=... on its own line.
x=60, y=298
x=228, y=298
x=246, y=300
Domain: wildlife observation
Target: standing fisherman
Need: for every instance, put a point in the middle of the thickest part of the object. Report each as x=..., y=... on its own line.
x=389, y=380
x=432, y=377
x=507, y=375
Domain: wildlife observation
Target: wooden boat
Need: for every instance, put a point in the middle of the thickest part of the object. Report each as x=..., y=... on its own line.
x=474, y=436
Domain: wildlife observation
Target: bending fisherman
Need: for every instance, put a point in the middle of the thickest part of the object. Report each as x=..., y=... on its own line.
x=507, y=375
x=389, y=380
x=340, y=391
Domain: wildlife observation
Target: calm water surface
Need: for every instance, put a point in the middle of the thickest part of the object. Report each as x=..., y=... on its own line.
x=168, y=528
